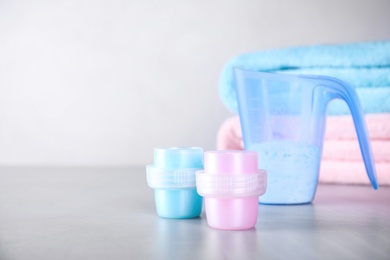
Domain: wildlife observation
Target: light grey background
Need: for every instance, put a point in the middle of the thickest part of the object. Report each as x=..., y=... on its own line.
x=104, y=82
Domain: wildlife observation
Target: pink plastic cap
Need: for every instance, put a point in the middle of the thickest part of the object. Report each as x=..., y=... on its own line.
x=230, y=162
x=229, y=174
x=230, y=185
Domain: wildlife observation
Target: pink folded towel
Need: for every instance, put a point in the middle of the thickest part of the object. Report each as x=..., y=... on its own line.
x=229, y=135
x=341, y=158
x=352, y=172
x=348, y=150
x=337, y=128
x=342, y=127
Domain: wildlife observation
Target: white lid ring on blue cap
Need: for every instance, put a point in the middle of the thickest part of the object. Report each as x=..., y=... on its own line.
x=170, y=178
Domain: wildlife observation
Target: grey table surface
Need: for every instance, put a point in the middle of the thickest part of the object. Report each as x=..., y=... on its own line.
x=109, y=213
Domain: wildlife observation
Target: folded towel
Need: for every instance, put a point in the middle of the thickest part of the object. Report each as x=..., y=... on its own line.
x=348, y=150
x=342, y=127
x=229, y=135
x=341, y=161
x=352, y=172
x=373, y=100
x=360, y=64
x=358, y=77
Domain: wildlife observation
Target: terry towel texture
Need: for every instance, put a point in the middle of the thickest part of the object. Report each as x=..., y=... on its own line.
x=341, y=157
x=349, y=172
x=338, y=128
x=342, y=127
x=348, y=150
x=362, y=65
x=373, y=100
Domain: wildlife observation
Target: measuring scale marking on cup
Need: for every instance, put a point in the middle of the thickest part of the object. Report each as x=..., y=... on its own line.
x=283, y=119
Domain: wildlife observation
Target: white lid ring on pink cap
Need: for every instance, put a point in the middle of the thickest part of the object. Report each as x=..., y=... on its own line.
x=228, y=186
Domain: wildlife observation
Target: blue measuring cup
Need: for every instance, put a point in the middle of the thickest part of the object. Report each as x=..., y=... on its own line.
x=283, y=119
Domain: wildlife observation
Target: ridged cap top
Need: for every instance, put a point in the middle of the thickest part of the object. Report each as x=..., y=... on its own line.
x=230, y=162
x=178, y=157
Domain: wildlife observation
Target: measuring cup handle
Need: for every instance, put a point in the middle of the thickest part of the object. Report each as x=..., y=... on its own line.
x=340, y=89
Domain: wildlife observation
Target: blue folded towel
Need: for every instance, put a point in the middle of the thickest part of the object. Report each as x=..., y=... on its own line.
x=373, y=100
x=363, y=65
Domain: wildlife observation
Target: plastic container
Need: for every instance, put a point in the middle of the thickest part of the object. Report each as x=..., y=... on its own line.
x=172, y=176
x=283, y=119
x=231, y=184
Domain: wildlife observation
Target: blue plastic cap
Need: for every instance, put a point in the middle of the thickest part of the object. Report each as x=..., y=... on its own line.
x=173, y=177
x=178, y=157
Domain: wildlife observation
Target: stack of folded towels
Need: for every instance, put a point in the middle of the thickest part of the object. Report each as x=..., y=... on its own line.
x=365, y=66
